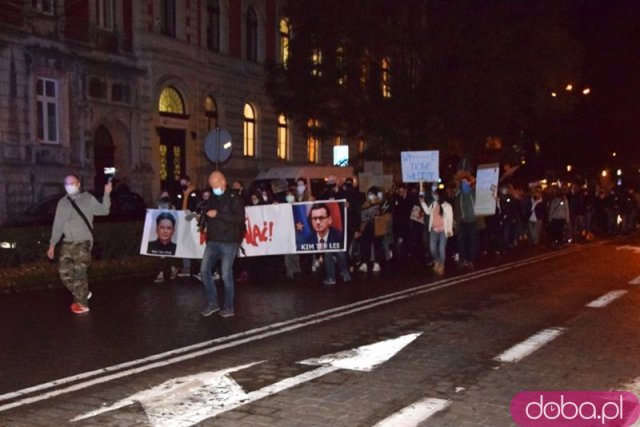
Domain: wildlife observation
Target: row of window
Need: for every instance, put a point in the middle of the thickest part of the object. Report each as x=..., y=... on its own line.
x=171, y=102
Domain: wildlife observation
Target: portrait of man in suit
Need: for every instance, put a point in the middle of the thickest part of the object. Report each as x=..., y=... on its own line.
x=324, y=236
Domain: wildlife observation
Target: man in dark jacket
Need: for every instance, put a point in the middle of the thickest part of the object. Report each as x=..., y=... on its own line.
x=225, y=229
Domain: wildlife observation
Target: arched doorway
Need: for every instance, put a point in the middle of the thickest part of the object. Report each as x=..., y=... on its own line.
x=171, y=106
x=103, y=155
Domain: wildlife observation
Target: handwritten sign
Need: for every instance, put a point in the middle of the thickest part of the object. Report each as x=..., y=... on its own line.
x=420, y=166
x=486, y=187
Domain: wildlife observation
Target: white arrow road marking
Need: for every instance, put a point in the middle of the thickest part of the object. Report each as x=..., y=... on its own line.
x=415, y=413
x=180, y=400
x=364, y=358
x=635, y=281
x=635, y=249
x=606, y=299
x=528, y=346
x=189, y=400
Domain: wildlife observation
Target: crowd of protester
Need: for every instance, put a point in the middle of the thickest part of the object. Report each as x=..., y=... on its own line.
x=433, y=226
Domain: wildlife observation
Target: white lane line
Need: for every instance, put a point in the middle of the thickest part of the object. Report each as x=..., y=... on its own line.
x=218, y=344
x=528, y=346
x=635, y=281
x=415, y=413
x=606, y=299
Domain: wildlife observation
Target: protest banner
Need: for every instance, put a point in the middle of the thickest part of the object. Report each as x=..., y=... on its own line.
x=420, y=166
x=486, y=187
x=277, y=229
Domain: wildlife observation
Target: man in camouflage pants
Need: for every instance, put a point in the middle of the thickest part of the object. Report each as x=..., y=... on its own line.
x=76, y=232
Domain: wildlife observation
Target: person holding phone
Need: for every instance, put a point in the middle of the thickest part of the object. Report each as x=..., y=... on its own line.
x=73, y=223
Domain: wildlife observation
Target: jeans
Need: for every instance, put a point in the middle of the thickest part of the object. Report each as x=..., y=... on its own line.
x=330, y=265
x=225, y=252
x=438, y=245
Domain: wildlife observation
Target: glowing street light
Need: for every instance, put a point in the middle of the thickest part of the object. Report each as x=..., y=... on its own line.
x=569, y=168
x=619, y=172
x=569, y=87
x=604, y=173
x=553, y=94
x=614, y=154
x=586, y=91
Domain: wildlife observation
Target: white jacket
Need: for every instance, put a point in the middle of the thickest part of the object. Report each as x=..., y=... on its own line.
x=447, y=213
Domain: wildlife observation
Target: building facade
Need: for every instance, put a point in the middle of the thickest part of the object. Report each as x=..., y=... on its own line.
x=138, y=85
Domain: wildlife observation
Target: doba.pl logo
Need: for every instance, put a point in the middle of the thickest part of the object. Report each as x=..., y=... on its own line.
x=575, y=408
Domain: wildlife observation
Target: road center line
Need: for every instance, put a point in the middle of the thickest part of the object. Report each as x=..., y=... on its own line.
x=200, y=349
x=415, y=413
x=530, y=345
x=606, y=299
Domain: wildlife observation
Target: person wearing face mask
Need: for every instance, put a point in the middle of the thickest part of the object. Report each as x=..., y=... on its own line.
x=440, y=228
x=225, y=222
x=369, y=236
x=465, y=218
x=302, y=192
x=73, y=223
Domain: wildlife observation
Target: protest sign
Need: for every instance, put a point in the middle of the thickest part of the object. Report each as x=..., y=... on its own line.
x=417, y=214
x=486, y=186
x=420, y=166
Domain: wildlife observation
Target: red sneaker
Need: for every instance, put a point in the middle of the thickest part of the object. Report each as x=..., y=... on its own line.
x=79, y=308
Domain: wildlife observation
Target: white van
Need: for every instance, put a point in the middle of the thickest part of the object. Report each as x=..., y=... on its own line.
x=281, y=178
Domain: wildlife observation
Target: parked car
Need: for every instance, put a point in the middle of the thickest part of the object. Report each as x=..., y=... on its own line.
x=125, y=206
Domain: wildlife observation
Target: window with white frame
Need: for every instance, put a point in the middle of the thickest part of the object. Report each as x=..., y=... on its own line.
x=47, y=116
x=105, y=14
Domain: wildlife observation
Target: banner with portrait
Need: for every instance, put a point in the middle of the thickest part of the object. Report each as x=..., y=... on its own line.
x=277, y=229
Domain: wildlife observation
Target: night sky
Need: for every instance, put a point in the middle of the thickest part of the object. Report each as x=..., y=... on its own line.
x=609, y=119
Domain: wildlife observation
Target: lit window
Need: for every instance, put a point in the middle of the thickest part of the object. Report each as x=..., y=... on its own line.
x=341, y=66
x=211, y=112
x=316, y=63
x=337, y=140
x=252, y=35
x=285, y=37
x=171, y=101
x=364, y=71
x=47, y=110
x=283, y=137
x=104, y=14
x=385, y=78
x=249, y=131
x=313, y=141
x=213, y=25
x=361, y=146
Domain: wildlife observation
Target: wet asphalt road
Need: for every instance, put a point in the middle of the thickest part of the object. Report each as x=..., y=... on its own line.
x=463, y=326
